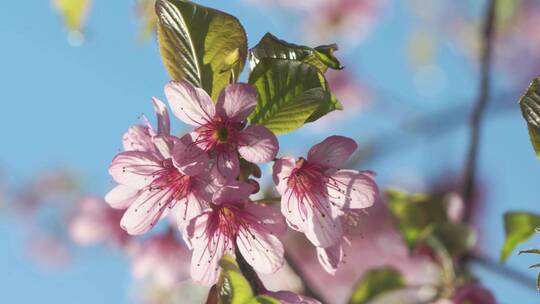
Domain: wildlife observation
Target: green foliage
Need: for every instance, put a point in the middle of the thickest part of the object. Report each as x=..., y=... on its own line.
x=530, y=109
x=422, y=216
x=233, y=288
x=375, y=283
x=291, y=93
x=197, y=44
x=322, y=57
x=519, y=227
x=74, y=12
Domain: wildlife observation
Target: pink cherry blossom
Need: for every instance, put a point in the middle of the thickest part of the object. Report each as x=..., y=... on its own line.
x=473, y=293
x=94, y=222
x=287, y=297
x=152, y=182
x=221, y=127
x=234, y=222
x=163, y=259
x=315, y=192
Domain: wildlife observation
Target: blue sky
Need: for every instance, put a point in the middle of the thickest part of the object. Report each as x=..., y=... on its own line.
x=65, y=106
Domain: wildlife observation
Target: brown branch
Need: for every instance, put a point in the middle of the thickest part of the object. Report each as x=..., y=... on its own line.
x=469, y=179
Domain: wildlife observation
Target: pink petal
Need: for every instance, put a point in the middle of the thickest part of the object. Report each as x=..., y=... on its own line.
x=330, y=257
x=190, y=104
x=164, y=145
x=164, y=124
x=227, y=164
x=257, y=144
x=323, y=229
x=263, y=251
x=138, y=138
x=235, y=192
x=332, y=152
x=189, y=208
x=134, y=169
x=281, y=171
x=146, y=211
x=294, y=211
x=270, y=218
x=121, y=197
x=236, y=102
x=188, y=157
x=350, y=189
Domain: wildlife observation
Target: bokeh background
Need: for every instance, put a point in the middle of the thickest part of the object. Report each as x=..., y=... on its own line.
x=69, y=88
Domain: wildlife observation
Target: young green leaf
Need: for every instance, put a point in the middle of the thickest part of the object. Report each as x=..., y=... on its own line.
x=322, y=57
x=74, y=12
x=201, y=45
x=233, y=288
x=291, y=93
x=458, y=239
x=519, y=227
x=530, y=109
x=375, y=283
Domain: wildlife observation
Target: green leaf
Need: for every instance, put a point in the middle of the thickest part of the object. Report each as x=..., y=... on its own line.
x=417, y=214
x=233, y=288
x=375, y=283
x=538, y=282
x=290, y=94
x=519, y=227
x=322, y=57
x=263, y=300
x=458, y=239
x=197, y=44
x=74, y=12
x=530, y=109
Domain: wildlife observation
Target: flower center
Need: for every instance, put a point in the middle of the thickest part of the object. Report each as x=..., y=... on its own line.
x=222, y=134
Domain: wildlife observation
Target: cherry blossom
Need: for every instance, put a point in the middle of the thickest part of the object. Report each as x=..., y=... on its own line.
x=162, y=259
x=287, y=297
x=235, y=222
x=315, y=192
x=152, y=182
x=221, y=127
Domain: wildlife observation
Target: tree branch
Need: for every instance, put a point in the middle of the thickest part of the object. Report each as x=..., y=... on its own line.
x=309, y=289
x=469, y=179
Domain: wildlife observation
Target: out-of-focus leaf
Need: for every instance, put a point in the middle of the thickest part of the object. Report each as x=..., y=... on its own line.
x=375, y=283
x=533, y=251
x=290, y=94
x=148, y=17
x=538, y=282
x=74, y=12
x=196, y=41
x=322, y=57
x=458, y=239
x=530, y=109
x=417, y=214
x=519, y=227
x=233, y=288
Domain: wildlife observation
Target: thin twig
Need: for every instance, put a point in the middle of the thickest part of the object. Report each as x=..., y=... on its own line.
x=309, y=289
x=469, y=179
x=503, y=271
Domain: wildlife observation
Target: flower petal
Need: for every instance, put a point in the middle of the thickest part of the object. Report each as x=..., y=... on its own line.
x=236, y=102
x=121, y=197
x=188, y=157
x=281, y=171
x=287, y=297
x=235, y=192
x=138, y=138
x=190, y=104
x=146, y=211
x=350, y=189
x=227, y=164
x=330, y=257
x=164, y=123
x=324, y=229
x=294, y=211
x=134, y=169
x=270, y=218
x=257, y=144
x=263, y=251
x=332, y=152
x=189, y=208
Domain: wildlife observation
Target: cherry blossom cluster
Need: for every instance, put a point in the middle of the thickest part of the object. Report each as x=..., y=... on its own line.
x=198, y=179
